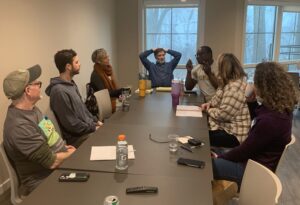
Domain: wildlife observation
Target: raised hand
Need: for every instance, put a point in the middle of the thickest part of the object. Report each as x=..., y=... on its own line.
x=189, y=65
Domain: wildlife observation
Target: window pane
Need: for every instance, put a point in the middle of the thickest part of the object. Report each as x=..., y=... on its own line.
x=290, y=36
x=172, y=28
x=186, y=44
x=250, y=74
x=158, y=20
x=259, y=37
x=260, y=19
x=258, y=48
x=180, y=74
x=267, y=19
x=250, y=22
x=288, y=22
x=294, y=68
x=184, y=20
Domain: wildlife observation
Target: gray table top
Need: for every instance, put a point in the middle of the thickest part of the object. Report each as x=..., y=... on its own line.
x=153, y=164
x=172, y=190
x=151, y=158
x=156, y=110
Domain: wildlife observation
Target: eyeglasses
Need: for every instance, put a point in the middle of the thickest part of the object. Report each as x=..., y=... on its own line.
x=39, y=83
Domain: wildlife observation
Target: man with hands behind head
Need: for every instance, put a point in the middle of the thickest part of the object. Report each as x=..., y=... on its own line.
x=161, y=72
x=202, y=73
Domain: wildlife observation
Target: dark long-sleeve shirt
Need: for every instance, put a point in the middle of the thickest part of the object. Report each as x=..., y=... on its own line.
x=267, y=138
x=67, y=105
x=161, y=75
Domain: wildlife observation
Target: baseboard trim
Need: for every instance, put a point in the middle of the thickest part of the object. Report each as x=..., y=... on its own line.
x=4, y=186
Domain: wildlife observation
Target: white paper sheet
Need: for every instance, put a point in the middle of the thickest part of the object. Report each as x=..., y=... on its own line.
x=108, y=153
x=184, y=140
x=188, y=111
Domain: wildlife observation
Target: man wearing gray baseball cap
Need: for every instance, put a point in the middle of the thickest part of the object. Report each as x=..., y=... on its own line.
x=29, y=139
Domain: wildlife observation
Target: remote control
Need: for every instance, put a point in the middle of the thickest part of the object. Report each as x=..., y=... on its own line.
x=141, y=189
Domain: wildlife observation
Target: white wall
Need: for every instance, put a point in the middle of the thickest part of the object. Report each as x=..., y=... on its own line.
x=224, y=26
x=127, y=40
x=32, y=31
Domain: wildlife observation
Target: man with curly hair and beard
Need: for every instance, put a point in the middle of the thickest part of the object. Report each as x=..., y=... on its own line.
x=271, y=127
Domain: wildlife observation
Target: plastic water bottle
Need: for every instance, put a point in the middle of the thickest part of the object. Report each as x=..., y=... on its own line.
x=121, y=153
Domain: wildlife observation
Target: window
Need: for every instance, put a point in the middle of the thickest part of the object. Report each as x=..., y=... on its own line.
x=272, y=32
x=260, y=32
x=290, y=36
x=174, y=28
x=173, y=24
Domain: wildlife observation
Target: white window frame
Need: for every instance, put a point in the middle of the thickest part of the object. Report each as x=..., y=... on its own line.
x=143, y=4
x=279, y=12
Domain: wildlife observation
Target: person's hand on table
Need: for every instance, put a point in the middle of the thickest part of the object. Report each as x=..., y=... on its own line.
x=213, y=154
x=205, y=106
x=99, y=124
x=70, y=149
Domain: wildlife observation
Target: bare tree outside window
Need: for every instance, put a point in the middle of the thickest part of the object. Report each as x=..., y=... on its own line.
x=174, y=28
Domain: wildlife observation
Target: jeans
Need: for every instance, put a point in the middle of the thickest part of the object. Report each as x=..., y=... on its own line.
x=228, y=170
x=220, y=138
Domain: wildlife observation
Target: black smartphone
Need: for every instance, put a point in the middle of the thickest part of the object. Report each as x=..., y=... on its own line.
x=191, y=162
x=190, y=92
x=195, y=142
x=74, y=177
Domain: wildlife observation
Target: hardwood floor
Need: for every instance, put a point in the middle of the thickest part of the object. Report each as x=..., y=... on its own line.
x=5, y=198
x=288, y=172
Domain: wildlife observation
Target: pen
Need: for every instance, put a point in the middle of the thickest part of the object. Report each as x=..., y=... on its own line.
x=186, y=148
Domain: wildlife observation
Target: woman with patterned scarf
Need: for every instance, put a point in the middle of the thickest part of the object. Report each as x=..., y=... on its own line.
x=102, y=76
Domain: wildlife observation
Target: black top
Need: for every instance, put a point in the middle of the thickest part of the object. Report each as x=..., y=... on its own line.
x=98, y=84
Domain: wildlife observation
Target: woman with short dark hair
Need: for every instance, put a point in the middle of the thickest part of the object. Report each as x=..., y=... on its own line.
x=102, y=76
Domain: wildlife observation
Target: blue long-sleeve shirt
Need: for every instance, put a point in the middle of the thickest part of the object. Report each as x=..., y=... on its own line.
x=161, y=75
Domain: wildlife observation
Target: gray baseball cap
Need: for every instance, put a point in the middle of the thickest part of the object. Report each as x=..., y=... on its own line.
x=15, y=82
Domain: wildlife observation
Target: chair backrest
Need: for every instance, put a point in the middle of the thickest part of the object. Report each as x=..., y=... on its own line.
x=293, y=140
x=14, y=182
x=104, y=104
x=260, y=186
x=50, y=114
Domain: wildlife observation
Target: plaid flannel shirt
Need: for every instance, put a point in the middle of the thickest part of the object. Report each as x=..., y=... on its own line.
x=229, y=110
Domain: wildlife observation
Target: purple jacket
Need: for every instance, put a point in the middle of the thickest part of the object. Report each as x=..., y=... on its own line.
x=267, y=138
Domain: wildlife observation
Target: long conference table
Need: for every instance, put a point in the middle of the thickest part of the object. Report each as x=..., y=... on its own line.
x=153, y=164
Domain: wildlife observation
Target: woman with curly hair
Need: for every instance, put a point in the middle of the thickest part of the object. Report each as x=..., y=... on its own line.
x=271, y=127
x=229, y=119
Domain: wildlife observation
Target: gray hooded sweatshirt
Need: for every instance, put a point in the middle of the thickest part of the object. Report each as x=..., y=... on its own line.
x=72, y=115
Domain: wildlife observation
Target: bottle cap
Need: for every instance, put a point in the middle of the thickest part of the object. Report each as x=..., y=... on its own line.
x=121, y=137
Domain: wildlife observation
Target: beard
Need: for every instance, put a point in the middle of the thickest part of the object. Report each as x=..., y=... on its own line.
x=160, y=61
x=74, y=71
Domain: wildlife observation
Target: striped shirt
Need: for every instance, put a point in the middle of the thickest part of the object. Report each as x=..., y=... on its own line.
x=229, y=111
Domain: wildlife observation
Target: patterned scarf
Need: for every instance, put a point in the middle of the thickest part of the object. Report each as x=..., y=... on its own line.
x=105, y=73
